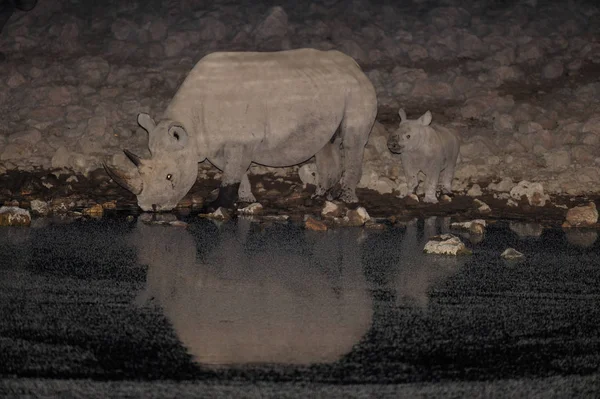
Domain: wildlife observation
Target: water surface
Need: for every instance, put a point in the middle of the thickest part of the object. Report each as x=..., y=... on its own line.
x=115, y=300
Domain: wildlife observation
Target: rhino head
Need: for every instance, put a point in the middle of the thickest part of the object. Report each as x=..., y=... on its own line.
x=407, y=136
x=162, y=180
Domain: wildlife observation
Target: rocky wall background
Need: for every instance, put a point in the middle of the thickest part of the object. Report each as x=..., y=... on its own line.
x=520, y=80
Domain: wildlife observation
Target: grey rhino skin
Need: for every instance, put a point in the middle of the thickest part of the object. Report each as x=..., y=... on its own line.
x=427, y=148
x=273, y=108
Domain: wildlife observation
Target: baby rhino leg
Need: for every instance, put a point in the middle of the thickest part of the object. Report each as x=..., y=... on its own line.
x=430, y=186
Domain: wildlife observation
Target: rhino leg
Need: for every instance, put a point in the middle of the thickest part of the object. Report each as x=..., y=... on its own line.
x=226, y=198
x=430, y=186
x=446, y=177
x=354, y=138
x=245, y=190
x=329, y=167
x=236, y=161
x=412, y=176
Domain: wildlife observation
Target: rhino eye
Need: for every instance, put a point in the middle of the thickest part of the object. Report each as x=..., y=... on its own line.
x=408, y=136
x=169, y=176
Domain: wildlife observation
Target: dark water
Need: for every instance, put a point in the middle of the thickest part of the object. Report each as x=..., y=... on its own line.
x=118, y=300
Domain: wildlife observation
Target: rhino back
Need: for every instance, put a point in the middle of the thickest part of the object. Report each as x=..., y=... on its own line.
x=276, y=102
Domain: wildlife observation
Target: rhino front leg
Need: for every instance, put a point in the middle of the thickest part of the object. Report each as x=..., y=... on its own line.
x=430, y=186
x=412, y=175
x=236, y=162
x=245, y=190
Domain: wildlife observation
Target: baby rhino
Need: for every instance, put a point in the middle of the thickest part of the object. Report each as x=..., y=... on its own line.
x=431, y=149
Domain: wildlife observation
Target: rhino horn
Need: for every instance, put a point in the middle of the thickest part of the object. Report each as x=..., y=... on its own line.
x=132, y=183
x=137, y=161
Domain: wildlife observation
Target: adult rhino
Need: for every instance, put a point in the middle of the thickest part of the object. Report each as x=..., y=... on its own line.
x=273, y=108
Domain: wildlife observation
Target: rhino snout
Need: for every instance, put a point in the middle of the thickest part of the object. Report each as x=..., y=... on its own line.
x=394, y=146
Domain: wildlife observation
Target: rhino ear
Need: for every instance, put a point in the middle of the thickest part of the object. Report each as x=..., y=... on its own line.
x=425, y=119
x=146, y=122
x=402, y=115
x=178, y=135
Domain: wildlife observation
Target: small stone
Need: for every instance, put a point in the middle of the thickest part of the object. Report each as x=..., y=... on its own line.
x=476, y=226
x=178, y=223
x=331, y=210
x=582, y=216
x=481, y=206
x=14, y=216
x=315, y=225
x=446, y=244
x=445, y=198
x=372, y=225
x=252, y=209
x=356, y=217
x=219, y=214
x=39, y=207
x=94, y=211
x=474, y=191
x=109, y=204
x=412, y=197
x=511, y=254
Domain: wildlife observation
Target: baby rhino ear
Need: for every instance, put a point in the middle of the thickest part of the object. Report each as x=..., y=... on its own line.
x=425, y=119
x=402, y=115
x=146, y=121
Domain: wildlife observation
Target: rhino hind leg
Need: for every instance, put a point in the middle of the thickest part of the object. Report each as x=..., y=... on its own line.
x=446, y=177
x=354, y=140
x=329, y=169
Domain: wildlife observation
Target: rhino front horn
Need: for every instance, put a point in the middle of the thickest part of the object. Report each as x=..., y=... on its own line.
x=137, y=161
x=129, y=182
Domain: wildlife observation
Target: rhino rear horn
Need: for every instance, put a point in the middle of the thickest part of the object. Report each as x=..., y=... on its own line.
x=129, y=182
x=137, y=161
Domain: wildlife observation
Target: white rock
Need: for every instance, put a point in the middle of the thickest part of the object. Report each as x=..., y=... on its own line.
x=511, y=254
x=39, y=207
x=481, y=206
x=533, y=191
x=330, y=210
x=475, y=191
x=14, y=216
x=446, y=244
x=252, y=209
x=467, y=225
x=504, y=185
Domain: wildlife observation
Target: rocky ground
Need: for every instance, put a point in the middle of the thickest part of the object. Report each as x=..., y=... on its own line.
x=519, y=80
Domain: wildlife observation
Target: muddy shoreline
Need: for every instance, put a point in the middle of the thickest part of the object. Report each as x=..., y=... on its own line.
x=71, y=194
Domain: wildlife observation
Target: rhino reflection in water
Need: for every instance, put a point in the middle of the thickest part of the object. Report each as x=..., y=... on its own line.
x=250, y=297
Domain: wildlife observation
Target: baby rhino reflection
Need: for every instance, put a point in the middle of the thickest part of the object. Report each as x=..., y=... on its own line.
x=237, y=304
